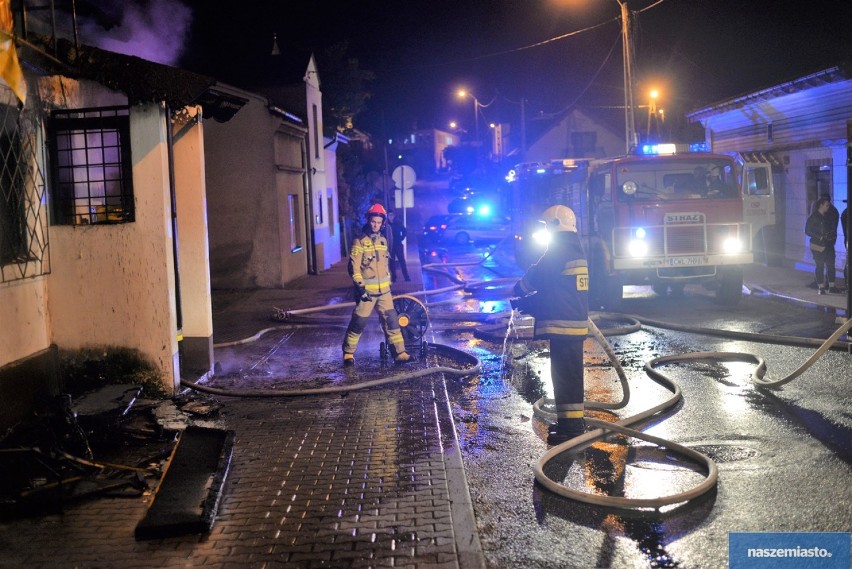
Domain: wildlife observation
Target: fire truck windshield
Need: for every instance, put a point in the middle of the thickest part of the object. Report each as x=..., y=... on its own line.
x=677, y=179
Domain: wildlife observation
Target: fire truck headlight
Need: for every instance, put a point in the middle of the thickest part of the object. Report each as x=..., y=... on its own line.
x=639, y=233
x=542, y=236
x=638, y=248
x=629, y=188
x=732, y=245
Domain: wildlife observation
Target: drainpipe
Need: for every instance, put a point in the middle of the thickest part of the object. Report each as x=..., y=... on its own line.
x=170, y=143
x=310, y=246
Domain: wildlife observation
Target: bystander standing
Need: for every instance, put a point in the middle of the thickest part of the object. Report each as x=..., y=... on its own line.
x=397, y=256
x=823, y=236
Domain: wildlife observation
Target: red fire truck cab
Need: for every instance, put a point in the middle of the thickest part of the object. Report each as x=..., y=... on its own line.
x=663, y=218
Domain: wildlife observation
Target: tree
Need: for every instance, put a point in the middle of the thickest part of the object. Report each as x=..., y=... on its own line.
x=344, y=86
x=461, y=159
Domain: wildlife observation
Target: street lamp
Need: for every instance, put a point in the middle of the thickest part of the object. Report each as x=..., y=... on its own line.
x=652, y=109
x=462, y=94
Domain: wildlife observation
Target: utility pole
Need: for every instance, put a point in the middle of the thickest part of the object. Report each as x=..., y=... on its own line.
x=523, y=132
x=629, y=113
x=476, y=117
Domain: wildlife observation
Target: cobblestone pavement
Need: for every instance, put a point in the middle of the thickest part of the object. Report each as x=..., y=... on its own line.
x=355, y=481
x=370, y=478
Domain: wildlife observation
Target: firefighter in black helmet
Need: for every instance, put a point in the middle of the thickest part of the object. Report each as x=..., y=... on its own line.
x=368, y=265
x=555, y=292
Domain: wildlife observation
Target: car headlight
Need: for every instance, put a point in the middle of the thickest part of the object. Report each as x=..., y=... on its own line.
x=732, y=245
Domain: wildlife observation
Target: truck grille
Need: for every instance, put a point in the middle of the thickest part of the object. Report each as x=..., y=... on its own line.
x=681, y=239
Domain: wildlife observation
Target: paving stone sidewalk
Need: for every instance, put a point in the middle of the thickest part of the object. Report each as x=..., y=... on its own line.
x=372, y=478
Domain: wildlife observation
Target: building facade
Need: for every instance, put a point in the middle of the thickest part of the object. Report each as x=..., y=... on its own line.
x=103, y=168
x=802, y=128
x=257, y=188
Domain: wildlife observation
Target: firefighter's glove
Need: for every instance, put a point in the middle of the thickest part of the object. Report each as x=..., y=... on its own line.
x=523, y=304
x=363, y=296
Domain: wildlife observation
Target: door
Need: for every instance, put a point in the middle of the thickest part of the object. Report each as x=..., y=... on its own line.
x=758, y=196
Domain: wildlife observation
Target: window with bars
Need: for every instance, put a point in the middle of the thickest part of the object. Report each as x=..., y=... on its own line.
x=91, y=169
x=23, y=218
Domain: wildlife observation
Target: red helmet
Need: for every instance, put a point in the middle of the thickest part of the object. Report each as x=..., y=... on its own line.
x=377, y=209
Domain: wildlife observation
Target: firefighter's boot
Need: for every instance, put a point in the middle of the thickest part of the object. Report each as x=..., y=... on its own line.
x=565, y=429
x=404, y=358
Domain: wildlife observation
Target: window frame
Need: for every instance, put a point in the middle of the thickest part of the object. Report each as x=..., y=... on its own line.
x=92, y=173
x=24, y=243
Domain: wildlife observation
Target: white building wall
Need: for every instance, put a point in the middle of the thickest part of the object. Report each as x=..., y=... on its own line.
x=193, y=244
x=113, y=285
x=24, y=326
x=247, y=197
x=801, y=127
x=319, y=181
x=330, y=232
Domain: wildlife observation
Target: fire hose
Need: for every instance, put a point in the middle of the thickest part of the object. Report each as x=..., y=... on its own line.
x=601, y=428
x=622, y=426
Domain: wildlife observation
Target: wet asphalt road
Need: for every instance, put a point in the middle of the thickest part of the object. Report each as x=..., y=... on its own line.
x=783, y=455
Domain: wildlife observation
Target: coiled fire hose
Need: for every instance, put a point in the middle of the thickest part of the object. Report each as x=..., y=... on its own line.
x=622, y=426
x=602, y=428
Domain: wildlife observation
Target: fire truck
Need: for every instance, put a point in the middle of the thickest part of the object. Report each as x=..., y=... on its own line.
x=663, y=217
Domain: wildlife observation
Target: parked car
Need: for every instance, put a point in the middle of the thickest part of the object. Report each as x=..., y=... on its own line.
x=478, y=202
x=461, y=229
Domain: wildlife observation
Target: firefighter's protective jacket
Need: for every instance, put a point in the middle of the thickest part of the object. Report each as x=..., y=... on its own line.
x=559, y=287
x=368, y=263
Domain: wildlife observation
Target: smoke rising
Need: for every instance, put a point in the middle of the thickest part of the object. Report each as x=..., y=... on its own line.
x=155, y=30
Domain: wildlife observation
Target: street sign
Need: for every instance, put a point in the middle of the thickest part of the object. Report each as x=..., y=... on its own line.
x=404, y=177
x=403, y=198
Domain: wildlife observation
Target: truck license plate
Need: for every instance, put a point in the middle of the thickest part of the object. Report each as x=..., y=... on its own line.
x=685, y=261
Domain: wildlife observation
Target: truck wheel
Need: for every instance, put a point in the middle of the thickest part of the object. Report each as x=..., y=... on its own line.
x=730, y=290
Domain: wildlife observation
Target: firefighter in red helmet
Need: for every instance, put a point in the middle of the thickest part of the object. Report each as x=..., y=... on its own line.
x=368, y=265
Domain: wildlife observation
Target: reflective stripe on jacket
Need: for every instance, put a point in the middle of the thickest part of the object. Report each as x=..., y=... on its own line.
x=560, y=281
x=368, y=263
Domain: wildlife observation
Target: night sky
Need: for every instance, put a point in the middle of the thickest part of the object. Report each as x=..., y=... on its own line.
x=695, y=51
